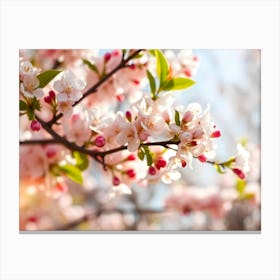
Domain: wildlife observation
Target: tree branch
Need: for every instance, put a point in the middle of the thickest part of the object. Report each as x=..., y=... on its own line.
x=98, y=84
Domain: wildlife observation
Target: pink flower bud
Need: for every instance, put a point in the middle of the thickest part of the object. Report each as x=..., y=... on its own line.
x=33, y=219
x=152, y=171
x=48, y=99
x=128, y=115
x=107, y=57
x=202, y=158
x=136, y=82
x=61, y=187
x=52, y=94
x=116, y=181
x=131, y=173
x=132, y=66
x=160, y=163
x=100, y=141
x=216, y=134
x=131, y=157
x=35, y=125
x=188, y=116
x=120, y=97
x=239, y=173
x=184, y=163
x=188, y=73
x=50, y=152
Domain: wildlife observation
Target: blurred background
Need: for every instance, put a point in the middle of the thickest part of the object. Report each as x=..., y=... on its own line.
x=227, y=80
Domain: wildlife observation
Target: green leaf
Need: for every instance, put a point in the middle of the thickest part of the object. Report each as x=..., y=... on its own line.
x=72, y=172
x=177, y=118
x=152, y=82
x=141, y=154
x=82, y=161
x=91, y=66
x=36, y=105
x=22, y=105
x=46, y=77
x=177, y=84
x=240, y=186
x=148, y=155
x=152, y=52
x=30, y=113
x=219, y=168
x=229, y=162
x=162, y=66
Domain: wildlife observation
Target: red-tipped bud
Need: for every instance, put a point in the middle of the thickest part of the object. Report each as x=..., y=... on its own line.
x=131, y=173
x=131, y=157
x=184, y=163
x=188, y=116
x=100, y=141
x=160, y=163
x=48, y=99
x=152, y=171
x=52, y=94
x=136, y=82
x=33, y=219
x=188, y=73
x=239, y=173
x=61, y=187
x=193, y=143
x=116, y=181
x=50, y=152
x=107, y=57
x=120, y=97
x=202, y=158
x=216, y=134
x=132, y=66
x=35, y=125
x=116, y=52
x=186, y=210
x=128, y=115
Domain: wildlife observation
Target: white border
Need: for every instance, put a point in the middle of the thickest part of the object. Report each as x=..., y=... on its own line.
x=168, y=24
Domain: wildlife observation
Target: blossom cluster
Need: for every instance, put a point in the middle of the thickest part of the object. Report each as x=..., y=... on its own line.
x=118, y=110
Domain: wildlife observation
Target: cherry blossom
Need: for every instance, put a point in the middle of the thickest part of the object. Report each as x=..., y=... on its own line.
x=69, y=87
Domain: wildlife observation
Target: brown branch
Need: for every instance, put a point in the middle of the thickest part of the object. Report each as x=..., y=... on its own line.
x=40, y=142
x=94, y=88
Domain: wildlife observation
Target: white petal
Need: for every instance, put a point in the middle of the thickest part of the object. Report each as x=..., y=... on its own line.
x=58, y=86
x=133, y=145
x=61, y=97
x=38, y=93
x=75, y=96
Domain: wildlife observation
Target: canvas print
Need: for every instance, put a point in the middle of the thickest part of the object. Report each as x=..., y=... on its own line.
x=139, y=140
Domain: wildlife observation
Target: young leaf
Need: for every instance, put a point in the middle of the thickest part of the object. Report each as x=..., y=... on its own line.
x=91, y=66
x=219, y=168
x=152, y=82
x=141, y=154
x=177, y=118
x=162, y=66
x=82, y=161
x=148, y=155
x=36, y=104
x=240, y=186
x=152, y=52
x=47, y=76
x=177, y=84
x=72, y=172
x=30, y=113
x=22, y=105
